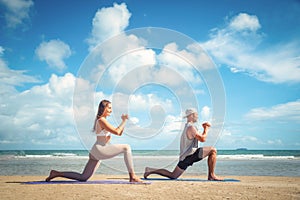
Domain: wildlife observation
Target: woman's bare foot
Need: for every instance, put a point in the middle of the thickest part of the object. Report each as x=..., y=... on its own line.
x=52, y=175
x=214, y=178
x=135, y=179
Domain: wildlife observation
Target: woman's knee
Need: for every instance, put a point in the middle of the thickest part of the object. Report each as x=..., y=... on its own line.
x=127, y=148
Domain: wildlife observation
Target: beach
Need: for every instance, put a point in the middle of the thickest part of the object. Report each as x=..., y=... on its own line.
x=260, y=174
x=248, y=187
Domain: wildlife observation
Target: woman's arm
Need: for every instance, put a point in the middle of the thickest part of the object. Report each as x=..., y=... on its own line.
x=107, y=126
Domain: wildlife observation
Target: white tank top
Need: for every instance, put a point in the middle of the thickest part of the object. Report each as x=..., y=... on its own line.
x=187, y=146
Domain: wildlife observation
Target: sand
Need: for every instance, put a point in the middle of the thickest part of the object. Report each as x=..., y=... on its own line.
x=249, y=187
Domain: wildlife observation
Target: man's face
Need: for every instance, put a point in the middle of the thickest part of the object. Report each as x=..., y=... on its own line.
x=195, y=117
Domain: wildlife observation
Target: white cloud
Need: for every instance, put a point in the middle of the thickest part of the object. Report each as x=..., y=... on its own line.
x=1, y=50
x=164, y=137
x=14, y=77
x=249, y=139
x=134, y=120
x=17, y=11
x=230, y=139
x=282, y=112
x=205, y=113
x=143, y=66
x=236, y=45
x=139, y=66
x=183, y=60
x=43, y=115
x=127, y=63
x=141, y=104
x=108, y=22
x=244, y=21
x=276, y=142
x=144, y=102
x=10, y=78
x=226, y=133
x=53, y=53
x=150, y=110
x=40, y=115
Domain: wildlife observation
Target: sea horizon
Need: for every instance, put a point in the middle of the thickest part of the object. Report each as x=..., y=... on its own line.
x=221, y=152
x=229, y=162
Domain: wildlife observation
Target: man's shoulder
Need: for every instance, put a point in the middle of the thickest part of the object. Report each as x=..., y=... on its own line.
x=191, y=131
x=191, y=126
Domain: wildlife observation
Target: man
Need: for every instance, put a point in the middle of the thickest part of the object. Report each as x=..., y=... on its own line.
x=189, y=151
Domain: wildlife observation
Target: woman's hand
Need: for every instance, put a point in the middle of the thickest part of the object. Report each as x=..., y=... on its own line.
x=124, y=117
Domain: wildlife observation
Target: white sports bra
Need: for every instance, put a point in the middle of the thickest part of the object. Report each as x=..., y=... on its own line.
x=103, y=133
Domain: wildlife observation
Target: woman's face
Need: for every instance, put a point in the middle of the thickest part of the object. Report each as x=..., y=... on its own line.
x=108, y=110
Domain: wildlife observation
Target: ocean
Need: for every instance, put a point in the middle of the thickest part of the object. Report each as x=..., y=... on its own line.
x=229, y=162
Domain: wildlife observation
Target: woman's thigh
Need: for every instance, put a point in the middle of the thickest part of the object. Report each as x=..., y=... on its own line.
x=109, y=151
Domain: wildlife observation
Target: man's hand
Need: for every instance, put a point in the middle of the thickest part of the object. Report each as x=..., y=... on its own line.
x=206, y=125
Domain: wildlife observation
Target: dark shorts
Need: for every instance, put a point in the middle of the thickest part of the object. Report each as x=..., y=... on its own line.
x=189, y=160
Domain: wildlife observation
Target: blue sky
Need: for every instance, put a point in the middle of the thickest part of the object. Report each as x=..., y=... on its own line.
x=49, y=78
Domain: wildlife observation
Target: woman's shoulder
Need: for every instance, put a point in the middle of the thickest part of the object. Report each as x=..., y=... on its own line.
x=102, y=120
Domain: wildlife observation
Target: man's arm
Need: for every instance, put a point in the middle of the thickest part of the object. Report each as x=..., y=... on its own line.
x=193, y=133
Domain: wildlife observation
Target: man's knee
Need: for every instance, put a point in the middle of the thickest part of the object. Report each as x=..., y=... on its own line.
x=83, y=178
x=213, y=150
x=174, y=176
x=177, y=172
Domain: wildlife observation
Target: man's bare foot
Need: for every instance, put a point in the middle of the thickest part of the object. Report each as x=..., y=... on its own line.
x=214, y=178
x=52, y=175
x=147, y=172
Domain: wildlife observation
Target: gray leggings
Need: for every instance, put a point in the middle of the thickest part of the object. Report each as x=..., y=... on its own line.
x=101, y=152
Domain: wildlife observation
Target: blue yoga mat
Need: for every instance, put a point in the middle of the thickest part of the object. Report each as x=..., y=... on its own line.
x=87, y=182
x=191, y=180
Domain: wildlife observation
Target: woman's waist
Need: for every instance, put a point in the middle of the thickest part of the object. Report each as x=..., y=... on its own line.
x=102, y=142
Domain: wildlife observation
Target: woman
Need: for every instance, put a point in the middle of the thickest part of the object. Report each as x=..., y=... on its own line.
x=102, y=149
